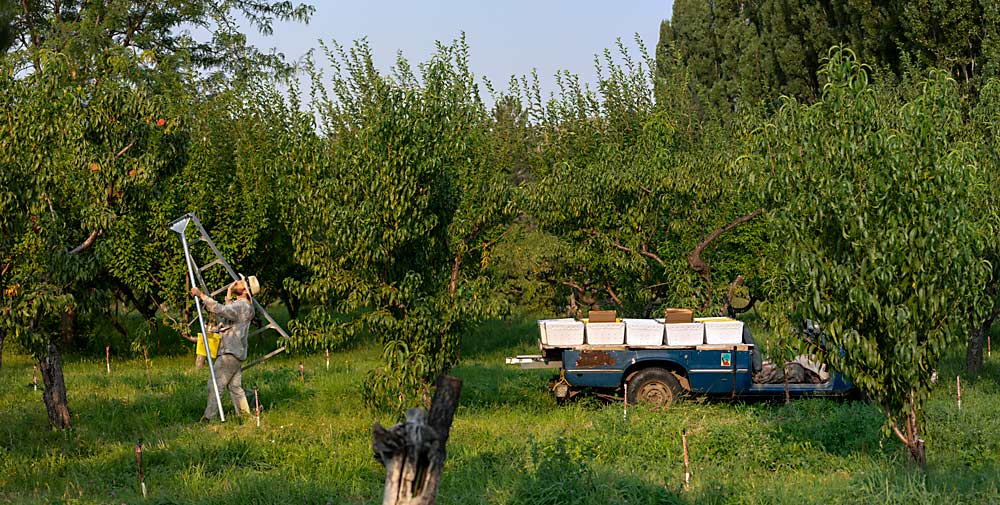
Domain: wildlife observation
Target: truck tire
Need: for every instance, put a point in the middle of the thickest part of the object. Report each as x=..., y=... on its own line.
x=654, y=386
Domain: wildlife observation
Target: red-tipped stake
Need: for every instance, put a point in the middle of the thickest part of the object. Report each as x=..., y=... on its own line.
x=958, y=389
x=256, y=400
x=687, y=468
x=302, y=372
x=107, y=358
x=328, y=359
x=34, y=377
x=138, y=463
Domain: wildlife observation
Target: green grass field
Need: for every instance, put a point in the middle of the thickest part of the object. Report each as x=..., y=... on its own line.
x=511, y=443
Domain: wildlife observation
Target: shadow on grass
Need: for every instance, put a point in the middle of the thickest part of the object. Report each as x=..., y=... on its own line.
x=561, y=471
x=838, y=427
x=126, y=410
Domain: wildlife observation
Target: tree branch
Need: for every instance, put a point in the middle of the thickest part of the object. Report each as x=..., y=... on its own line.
x=699, y=266
x=642, y=252
x=86, y=243
x=607, y=285
x=124, y=149
x=895, y=429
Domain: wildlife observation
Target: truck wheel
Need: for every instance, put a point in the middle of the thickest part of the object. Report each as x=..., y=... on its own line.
x=654, y=386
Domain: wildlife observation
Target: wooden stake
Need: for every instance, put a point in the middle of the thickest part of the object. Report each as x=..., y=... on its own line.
x=625, y=413
x=788, y=396
x=687, y=467
x=34, y=377
x=328, y=358
x=302, y=372
x=138, y=463
x=145, y=359
x=107, y=358
x=256, y=400
x=958, y=389
x=989, y=353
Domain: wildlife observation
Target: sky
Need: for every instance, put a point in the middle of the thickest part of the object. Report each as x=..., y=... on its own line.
x=505, y=38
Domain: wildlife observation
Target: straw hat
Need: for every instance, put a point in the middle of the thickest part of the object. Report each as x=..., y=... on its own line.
x=252, y=283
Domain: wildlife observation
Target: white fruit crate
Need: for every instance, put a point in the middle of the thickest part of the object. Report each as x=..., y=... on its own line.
x=684, y=334
x=722, y=330
x=643, y=332
x=563, y=333
x=543, y=337
x=605, y=333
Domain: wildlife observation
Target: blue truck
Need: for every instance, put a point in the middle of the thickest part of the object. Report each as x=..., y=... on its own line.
x=661, y=374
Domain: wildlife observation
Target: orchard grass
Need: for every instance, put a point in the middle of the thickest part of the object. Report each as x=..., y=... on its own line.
x=511, y=442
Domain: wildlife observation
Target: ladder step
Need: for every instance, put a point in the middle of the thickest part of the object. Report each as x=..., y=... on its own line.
x=216, y=261
x=221, y=290
x=259, y=331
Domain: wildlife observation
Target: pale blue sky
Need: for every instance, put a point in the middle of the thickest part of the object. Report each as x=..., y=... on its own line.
x=505, y=38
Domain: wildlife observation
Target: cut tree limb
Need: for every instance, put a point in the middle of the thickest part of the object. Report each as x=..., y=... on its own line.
x=413, y=452
x=698, y=265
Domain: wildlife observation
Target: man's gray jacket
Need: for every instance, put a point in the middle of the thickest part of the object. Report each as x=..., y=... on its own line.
x=233, y=324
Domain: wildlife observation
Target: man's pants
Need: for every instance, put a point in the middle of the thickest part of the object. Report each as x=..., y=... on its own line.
x=227, y=376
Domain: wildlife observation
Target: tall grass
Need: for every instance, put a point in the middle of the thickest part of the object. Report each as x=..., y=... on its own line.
x=511, y=442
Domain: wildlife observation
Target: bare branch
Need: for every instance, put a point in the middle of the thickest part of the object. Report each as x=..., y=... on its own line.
x=607, y=286
x=642, y=252
x=699, y=266
x=124, y=150
x=86, y=243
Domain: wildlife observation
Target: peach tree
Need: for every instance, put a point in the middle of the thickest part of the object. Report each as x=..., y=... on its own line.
x=871, y=217
x=398, y=209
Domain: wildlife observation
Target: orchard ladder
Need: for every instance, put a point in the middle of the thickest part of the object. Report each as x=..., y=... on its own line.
x=195, y=271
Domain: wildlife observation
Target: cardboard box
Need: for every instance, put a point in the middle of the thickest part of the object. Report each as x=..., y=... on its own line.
x=673, y=316
x=643, y=332
x=564, y=333
x=684, y=334
x=602, y=316
x=605, y=333
x=722, y=330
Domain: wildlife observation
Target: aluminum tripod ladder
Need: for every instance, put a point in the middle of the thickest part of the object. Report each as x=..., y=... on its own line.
x=195, y=271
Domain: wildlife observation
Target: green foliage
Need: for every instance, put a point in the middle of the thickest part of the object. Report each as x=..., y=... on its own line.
x=398, y=212
x=872, y=216
x=74, y=158
x=629, y=187
x=741, y=53
x=159, y=30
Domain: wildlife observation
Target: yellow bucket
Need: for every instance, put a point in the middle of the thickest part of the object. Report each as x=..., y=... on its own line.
x=213, y=344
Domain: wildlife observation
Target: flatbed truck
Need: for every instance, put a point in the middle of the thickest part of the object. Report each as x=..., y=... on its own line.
x=659, y=375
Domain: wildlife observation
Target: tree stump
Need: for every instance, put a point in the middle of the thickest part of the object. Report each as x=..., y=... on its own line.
x=413, y=452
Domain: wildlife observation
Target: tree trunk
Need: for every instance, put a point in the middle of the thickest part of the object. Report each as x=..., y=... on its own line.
x=290, y=303
x=54, y=395
x=67, y=327
x=413, y=452
x=974, y=350
x=910, y=433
